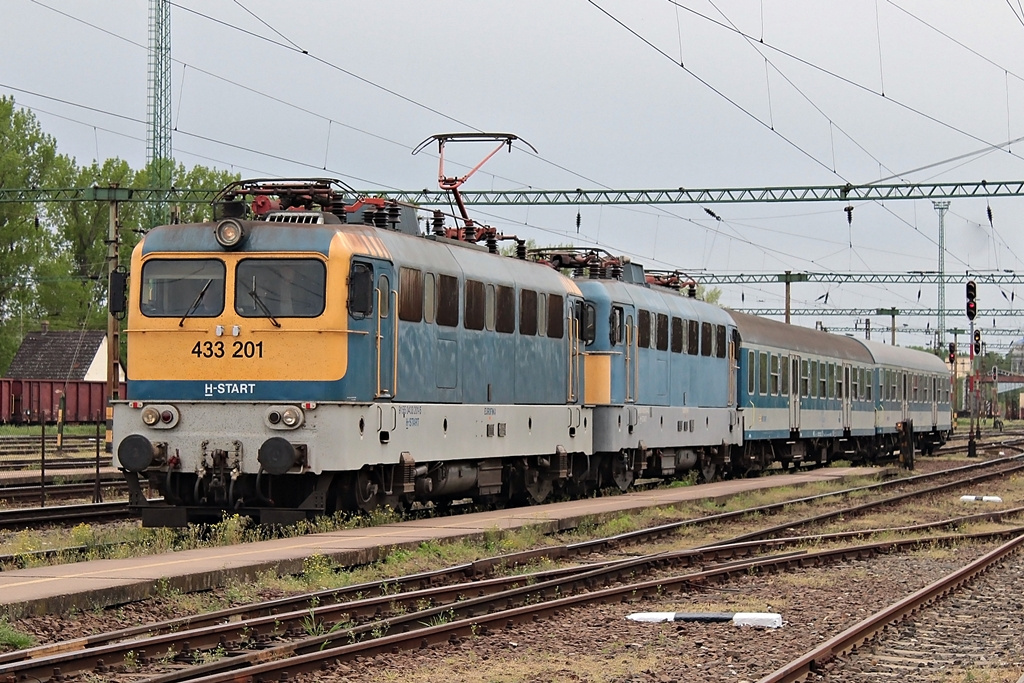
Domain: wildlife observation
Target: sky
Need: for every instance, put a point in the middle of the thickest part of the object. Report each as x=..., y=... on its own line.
x=621, y=94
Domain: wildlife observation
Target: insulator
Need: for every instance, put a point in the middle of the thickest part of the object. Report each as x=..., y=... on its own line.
x=368, y=216
x=595, y=271
x=393, y=212
x=492, y=244
x=380, y=219
x=521, y=250
x=438, y=224
x=470, y=234
x=577, y=271
x=616, y=271
x=691, y=291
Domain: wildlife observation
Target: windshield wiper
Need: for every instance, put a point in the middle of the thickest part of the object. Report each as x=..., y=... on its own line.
x=263, y=307
x=195, y=304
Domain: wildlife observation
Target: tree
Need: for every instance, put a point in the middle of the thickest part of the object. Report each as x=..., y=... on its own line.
x=73, y=293
x=27, y=159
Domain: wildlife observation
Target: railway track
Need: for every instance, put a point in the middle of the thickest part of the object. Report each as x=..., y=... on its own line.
x=438, y=606
x=956, y=622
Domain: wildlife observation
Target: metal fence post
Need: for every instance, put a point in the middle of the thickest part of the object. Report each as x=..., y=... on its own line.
x=97, y=494
x=42, y=460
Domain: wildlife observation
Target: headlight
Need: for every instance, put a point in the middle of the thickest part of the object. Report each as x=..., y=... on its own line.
x=229, y=233
x=283, y=417
x=160, y=416
x=291, y=417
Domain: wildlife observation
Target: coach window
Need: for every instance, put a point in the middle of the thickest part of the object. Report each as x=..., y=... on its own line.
x=447, y=300
x=643, y=321
x=429, y=297
x=473, y=316
x=805, y=379
x=527, y=312
x=706, y=340
x=750, y=373
x=506, y=313
x=556, y=316
x=661, y=339
x=542, y=314
x=489, y=307
x=784, y=363
x=814, y=379
x=831, y=380
x=693, y=337
x=775, y=374
x=762, y=373
x=855, y=384
x=291, y=288
x=180, y=287
x=410, y=294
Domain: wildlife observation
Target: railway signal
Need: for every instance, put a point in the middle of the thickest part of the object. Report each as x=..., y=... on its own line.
x=977, y=342
x=972, y=294
x=952, y=353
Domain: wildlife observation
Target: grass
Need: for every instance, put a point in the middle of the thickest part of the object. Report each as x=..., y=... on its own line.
x=13, y=639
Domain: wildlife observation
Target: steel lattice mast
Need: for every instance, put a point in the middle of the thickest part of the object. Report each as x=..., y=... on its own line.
x=941, y=208
x=158, y=138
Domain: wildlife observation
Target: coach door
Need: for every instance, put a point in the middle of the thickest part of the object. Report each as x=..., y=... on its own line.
x=794, y=393
x=935, y=401
x=905, y=395
x=846, y=399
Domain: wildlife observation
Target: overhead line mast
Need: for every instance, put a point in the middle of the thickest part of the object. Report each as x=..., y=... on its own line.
x=158, y=136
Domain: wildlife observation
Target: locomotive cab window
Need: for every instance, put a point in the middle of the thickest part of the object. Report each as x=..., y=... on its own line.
x=360, y=290
x=172, y=288
x=292, y=288
x=588, y=323
x=616, y=331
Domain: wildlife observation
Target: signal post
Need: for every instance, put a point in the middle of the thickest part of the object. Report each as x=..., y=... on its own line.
x=972, y=311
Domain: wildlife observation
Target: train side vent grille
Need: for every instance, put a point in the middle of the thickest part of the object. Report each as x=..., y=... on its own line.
x=301, y=217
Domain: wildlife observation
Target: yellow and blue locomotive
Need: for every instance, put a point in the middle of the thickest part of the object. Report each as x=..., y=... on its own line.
x=310, y=350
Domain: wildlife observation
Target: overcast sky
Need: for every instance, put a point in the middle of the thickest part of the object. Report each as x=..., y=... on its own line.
x=612, y=93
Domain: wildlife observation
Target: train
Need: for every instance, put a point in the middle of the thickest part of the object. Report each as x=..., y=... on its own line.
x=35, y=401
x=310, y=350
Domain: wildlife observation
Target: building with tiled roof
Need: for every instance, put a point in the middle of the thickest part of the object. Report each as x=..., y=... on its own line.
x=62, y=355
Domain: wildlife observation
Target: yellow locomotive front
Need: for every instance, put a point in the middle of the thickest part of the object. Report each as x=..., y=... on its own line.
x=237, y=330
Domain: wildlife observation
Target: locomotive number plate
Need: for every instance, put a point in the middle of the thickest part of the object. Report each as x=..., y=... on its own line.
x=236, y=349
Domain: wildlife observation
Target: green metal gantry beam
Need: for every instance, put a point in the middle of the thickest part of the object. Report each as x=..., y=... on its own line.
x=579, y=197
x=862, y=312
x=915, y=277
